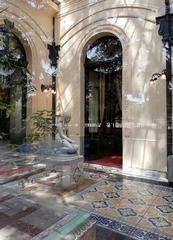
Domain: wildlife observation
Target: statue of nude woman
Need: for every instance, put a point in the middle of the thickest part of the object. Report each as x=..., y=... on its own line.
x=67, y=145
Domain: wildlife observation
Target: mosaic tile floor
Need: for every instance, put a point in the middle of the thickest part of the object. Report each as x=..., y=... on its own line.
x=136, y=209
x=139, y=210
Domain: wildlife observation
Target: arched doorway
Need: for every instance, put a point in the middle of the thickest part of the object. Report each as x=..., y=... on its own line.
x=103, y=100
x=13, y=87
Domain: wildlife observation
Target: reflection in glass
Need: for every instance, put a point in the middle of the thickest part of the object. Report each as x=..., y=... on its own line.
x=13, y=86
x=103, y=97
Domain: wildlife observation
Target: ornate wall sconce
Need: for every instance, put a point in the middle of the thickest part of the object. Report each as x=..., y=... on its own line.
x=157, y=76
x=46, y=88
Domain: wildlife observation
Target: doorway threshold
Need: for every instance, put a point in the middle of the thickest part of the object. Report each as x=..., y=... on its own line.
x=130, y=172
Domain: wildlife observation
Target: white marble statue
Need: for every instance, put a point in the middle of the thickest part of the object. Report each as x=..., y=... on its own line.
x=67, y=145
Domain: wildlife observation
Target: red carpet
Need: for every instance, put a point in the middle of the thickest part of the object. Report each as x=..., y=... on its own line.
x=13, y=172
x=109, y=161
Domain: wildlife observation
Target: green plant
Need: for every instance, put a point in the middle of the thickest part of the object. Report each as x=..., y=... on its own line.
x=42, y=125
x=10, y=110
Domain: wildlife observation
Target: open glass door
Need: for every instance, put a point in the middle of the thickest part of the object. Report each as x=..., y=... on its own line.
x=103, y=99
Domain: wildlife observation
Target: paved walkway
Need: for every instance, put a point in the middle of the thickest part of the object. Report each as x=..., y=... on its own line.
x=139, y=209
x=127, y=206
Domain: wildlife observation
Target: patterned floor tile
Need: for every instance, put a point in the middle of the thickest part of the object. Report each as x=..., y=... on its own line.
x=168, y=198
x=110, y=195
x=146, y=225
x=118, y=189
x=161, y=217
x=153, y=211
x=91, y=196
x=170, y=217
x=99, y=204
x=112, y=224
x=137, y=201
x=142, y=234
x=127, y=212
x=112, y=213
x=140, y=208
x=121, y=187
x=148, y=199
x=130, y=220
x=165, y=223
x=118, y=202
x=165, y=208
x=160, y=201
x=167, y=230
x=105, y=188
x=159, y=222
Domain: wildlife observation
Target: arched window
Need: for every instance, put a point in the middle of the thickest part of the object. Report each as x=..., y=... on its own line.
x=13, y=85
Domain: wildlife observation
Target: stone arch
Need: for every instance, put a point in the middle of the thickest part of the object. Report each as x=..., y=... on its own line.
x=99, y=31
x=32, y=39
x=31, y=36
x=91, y=36
x=31, y=53
x=15, y=90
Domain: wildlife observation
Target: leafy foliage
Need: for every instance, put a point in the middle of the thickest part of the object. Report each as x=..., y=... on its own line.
x=12, y=56
x=42, y=125
x=105, y=55
x=10, y=110
x=11, y=63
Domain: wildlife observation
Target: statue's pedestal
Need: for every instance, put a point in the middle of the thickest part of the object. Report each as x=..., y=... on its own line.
x=70, y=168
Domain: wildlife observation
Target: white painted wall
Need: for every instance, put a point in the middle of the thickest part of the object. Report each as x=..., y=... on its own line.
x=80, y=22
x=144, y=113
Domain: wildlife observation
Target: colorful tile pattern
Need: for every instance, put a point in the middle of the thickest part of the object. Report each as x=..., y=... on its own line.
x=136, y=209
x=100, y=204
x=111, y=195
x=142, y=210
x=159, y=222
x=137, y=201
x=168, y=198
x=165, y=208
x=127, y=212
